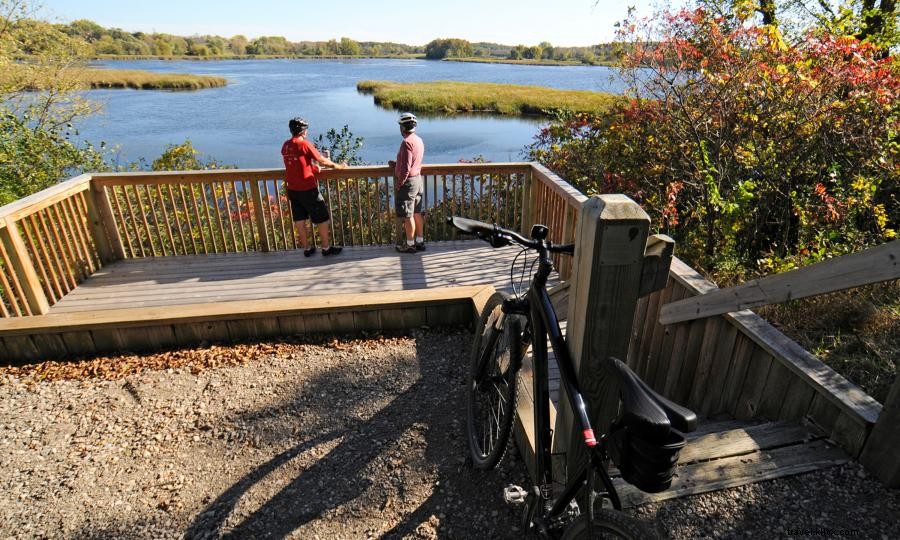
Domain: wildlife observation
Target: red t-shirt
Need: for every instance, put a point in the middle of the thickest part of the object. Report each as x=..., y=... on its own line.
x=299, y=171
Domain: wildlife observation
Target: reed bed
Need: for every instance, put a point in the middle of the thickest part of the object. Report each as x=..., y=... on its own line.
x=507, y=99
x=22, y=76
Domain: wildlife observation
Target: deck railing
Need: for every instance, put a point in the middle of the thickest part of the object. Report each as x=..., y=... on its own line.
x=55, y=239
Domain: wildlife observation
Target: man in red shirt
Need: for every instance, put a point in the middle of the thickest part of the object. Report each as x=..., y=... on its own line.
x=301, y=177
x=409, y=186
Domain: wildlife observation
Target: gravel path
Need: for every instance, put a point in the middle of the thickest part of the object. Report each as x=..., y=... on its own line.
x=358, y=438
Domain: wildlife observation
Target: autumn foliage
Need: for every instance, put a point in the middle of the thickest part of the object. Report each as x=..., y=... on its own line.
x=755, y=154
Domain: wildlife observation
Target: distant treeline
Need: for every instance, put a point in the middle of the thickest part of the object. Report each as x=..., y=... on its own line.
x=96, y=41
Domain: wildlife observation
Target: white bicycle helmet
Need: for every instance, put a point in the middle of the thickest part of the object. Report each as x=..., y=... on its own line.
x=408, y=121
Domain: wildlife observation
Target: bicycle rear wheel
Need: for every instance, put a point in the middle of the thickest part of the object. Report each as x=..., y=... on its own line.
x=609, y=524
x=491, y=392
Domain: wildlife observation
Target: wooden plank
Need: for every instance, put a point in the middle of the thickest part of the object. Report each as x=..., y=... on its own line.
x=23, y=268
x=872, y=265
x=122, y=221
x=191, y=334
x=706, y=363
x=879, y=454
x=657, y=360
x=178, y=227
x=850, y=433
x=292, y=324
x=649, y=324
x=637, y=328
x=739, y=470
x=723, y=356
x=743, y=350
x=199, y=231
x=255, y=328
x=36, y=202
x=823, y=412
x=736, y=442
x=797, y=400
x=148, y=338
x=774, y=393
x=559, y=186
x=160, y=236
x=754, y=384
x=21, y=349
x=79, y=343
x=396, y=300
x=50, y=346
x=82, y=215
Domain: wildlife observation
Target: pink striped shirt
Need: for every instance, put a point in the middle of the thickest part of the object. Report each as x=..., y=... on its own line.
x=409, y=158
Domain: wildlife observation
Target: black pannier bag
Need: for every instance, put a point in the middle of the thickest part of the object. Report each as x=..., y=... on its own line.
x=648, y=464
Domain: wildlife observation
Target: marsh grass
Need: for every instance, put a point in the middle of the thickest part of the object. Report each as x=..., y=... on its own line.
x=530, y=62
x=22, y=76
x=508, y=99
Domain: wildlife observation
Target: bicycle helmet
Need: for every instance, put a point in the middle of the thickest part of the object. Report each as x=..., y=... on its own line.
x=297, y=125
x=408, y=121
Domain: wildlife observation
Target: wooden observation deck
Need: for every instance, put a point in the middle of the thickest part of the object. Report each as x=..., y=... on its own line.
x=143, y=261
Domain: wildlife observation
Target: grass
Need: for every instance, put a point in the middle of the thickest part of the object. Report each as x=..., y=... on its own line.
x=146, y=80
x=508, y=99
x=856, y=332
x=114, y=78
x=527, y=62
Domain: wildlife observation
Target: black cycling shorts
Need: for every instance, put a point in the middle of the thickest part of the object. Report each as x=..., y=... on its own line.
x=308, y=204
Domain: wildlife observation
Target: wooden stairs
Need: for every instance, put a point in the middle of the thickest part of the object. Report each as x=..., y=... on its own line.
x=720, y=454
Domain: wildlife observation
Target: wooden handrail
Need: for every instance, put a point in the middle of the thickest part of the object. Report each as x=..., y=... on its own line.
x=44, y=198
x=873, y=265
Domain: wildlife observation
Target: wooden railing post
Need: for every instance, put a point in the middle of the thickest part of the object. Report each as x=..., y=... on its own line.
x=103, y=225
x=879, y=454
x=528, y=191
x=260, y=216
x=603, y=292
x=24, y=268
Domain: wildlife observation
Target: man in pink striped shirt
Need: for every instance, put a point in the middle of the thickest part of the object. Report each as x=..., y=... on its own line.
x=409, y=186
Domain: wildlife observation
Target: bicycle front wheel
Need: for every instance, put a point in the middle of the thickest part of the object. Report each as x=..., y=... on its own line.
x=609, y=524
x=491, y=392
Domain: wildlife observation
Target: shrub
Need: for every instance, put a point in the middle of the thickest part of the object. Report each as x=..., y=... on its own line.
x=745, y=148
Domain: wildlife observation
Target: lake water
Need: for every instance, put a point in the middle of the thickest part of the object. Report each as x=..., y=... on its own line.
x=245, y=122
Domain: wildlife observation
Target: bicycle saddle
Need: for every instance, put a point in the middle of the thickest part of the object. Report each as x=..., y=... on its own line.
x=645, y=412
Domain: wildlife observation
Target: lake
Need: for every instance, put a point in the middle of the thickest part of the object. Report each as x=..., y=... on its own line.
x=245, y=122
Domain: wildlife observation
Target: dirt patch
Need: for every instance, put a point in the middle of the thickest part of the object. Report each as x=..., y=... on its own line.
x=349, y=439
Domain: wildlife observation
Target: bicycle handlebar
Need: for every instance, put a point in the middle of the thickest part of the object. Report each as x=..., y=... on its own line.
x=497, y=236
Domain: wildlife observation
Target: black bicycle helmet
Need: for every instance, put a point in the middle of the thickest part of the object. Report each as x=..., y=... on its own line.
x=297, y=125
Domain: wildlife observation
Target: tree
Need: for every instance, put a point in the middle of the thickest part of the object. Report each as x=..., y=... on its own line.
x=547, y=49
x=238, y=44
x=754, y=153
x=349, y=47
x=448, y=48
x=38, y=105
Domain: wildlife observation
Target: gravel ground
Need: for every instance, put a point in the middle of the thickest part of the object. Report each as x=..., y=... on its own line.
x=355, y=438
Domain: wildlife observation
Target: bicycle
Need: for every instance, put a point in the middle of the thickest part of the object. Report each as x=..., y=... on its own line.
x=641, y=440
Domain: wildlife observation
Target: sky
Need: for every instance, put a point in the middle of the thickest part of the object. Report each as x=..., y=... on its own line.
x=510, y=22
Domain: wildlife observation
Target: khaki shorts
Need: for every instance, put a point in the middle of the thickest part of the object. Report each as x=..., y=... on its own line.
x=409, y=197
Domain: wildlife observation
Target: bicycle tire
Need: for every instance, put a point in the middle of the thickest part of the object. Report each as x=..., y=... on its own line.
x=491, y=384
x=609, y=524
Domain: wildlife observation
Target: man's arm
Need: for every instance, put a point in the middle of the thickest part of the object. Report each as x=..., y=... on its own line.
x=404, y=162
x=316, y=155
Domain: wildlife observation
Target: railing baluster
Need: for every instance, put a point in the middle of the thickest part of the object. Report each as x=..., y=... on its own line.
x=42, y=259
x=134, y=222
x=81, y=234
x=240, y=215
x=168, y=223
x=11, y=296
x=267, y=205
x=218, y=213
x=160, y=237
x=123, y=223
x=20, y=296
x=226, y=196
x=204, y=201
x=147, y=230
x=389, y=214
x=175, y=212
x=194, y=233
x=67, y=279
x=65, y=246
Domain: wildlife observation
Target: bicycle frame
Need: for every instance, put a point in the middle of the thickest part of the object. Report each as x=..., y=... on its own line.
x=544, y=323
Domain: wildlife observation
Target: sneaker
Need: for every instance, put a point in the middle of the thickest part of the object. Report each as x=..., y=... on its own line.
x=420, y=246
x=333, y=250
x=404, y=248
x=308, y=252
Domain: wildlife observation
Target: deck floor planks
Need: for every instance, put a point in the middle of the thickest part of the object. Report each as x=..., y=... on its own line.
x=191, y=279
